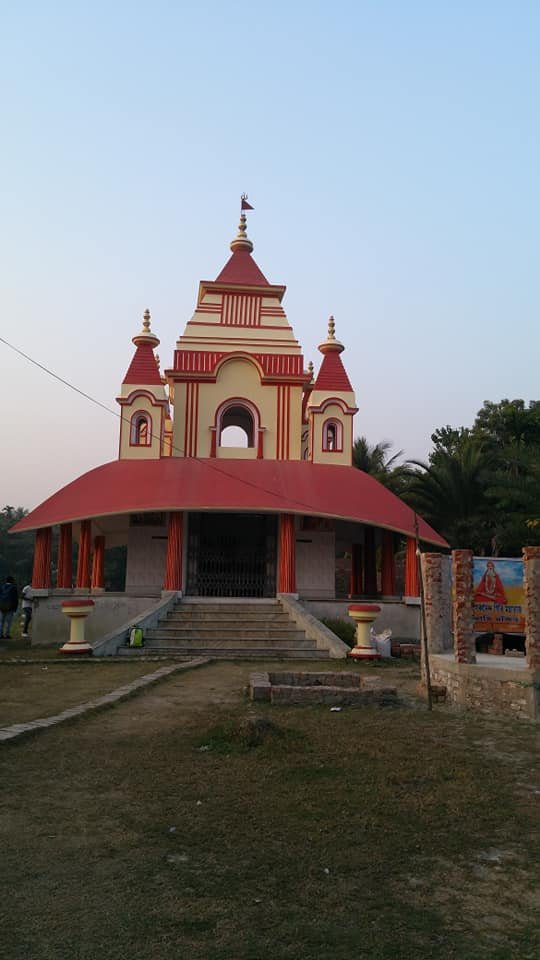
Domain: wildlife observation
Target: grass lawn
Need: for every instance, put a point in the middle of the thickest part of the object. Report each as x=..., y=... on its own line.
x=152, y=831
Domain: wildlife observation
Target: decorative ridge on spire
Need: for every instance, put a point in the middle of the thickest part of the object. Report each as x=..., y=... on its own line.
x=331, y=345
x=146, y=335
x=242, y=241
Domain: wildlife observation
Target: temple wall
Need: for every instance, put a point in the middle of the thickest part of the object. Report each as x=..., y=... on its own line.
x=145, y=569
x=50, y=627
x=401, y=618
x=315, y=562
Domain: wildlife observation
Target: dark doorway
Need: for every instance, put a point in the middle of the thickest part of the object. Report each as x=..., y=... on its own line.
x=231, y=555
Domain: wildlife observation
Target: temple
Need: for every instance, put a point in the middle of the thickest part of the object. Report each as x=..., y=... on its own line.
x=234, y=475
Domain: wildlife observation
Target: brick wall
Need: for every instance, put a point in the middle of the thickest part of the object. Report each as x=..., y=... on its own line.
x=531, y=574
x=462, y=576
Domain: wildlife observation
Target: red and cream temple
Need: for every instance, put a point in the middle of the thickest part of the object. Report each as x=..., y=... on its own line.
x=206, y=518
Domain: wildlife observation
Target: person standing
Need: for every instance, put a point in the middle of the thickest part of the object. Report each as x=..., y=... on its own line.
x=9, y=600
x=26, y=606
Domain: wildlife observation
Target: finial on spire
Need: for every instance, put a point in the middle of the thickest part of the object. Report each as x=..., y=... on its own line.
x=146, y=335
x=242, y=241
x=331, y=345
x=331, y=329
x=311, y=370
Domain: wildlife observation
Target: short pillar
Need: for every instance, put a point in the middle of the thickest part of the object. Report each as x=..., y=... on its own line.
x=83, y=557
x=287, y=554
x=370, y=563
x=531, y=582
x=98, y=564
x=388, y=565
x=77, y=611
x=41, y=572
x=173, y=560
x=363, y=615
x=462, y=597
x=64, y=572
x=355, y=584
x=412, y=583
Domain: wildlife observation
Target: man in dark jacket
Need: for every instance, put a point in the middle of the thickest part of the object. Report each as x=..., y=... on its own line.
x=9, y=599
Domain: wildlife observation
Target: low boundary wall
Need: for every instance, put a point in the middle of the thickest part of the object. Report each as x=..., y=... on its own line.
x=486, y=689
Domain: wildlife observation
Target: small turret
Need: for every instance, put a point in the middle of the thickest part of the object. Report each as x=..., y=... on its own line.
x=331, y=406
x=143, y=400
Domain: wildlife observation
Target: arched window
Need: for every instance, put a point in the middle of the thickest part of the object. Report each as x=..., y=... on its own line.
x=237, y=422
x=332, y=436
x=141, y=430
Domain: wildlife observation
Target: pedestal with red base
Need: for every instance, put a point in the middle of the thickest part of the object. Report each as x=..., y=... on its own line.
x=363, y=615
x=77, y=611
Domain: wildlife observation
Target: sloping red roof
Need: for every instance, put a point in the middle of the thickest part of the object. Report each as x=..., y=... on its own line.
x=332, y=375
x=182, y=483
x=241, y=268
x=143, y=368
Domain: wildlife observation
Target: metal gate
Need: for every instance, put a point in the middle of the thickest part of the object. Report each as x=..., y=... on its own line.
x=231, y=555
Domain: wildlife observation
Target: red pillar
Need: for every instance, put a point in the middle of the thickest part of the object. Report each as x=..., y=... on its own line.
x=98, y=564
x=412, y=583
x=388, y=571
x=287, y=554
x=173, y=561
x=355, y=583
x=83, y=558
x=370, y=563
x=41, y=573
x=64, y=573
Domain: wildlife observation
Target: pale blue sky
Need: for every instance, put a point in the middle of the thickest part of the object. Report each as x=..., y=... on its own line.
x=391, y=150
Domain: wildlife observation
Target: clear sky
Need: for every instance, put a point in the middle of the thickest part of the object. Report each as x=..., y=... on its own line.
x=391, y=150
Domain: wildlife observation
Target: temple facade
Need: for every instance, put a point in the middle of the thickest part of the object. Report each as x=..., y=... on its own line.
x=234, y=475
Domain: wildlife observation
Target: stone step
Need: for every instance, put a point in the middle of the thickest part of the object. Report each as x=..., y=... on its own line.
x=153, y=640
x=229, y=653
x=224, y=616
x=241, y=630
x=232, y=607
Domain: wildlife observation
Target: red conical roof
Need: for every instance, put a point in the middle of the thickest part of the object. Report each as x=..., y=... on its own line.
x=332, y=375
x=242, y=269
x=143, y=368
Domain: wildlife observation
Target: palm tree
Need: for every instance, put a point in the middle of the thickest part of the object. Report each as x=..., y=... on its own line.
x=450, y=493
x=375, y=460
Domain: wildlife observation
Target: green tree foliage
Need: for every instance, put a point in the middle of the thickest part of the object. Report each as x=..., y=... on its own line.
x=375, y=459
x=16, y=552
x=481, y=486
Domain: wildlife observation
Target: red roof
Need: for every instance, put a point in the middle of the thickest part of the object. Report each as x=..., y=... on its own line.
x=332, y=375
x=183, y=483
x=143, y=368
x=242, y=269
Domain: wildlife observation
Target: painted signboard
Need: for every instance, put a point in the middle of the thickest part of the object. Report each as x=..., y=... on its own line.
x=498, y=597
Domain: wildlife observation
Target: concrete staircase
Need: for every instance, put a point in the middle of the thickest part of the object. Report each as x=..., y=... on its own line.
x=228, y=629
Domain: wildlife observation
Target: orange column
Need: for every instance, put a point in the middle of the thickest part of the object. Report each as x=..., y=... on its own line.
x=98, y=563
x=64, y=573
x=412, y=584
x=355, y=583
x=287, y=554
x=370, y=563
x=41, y=573
x=388, y=571
x=83, y=558
x=173, y=561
